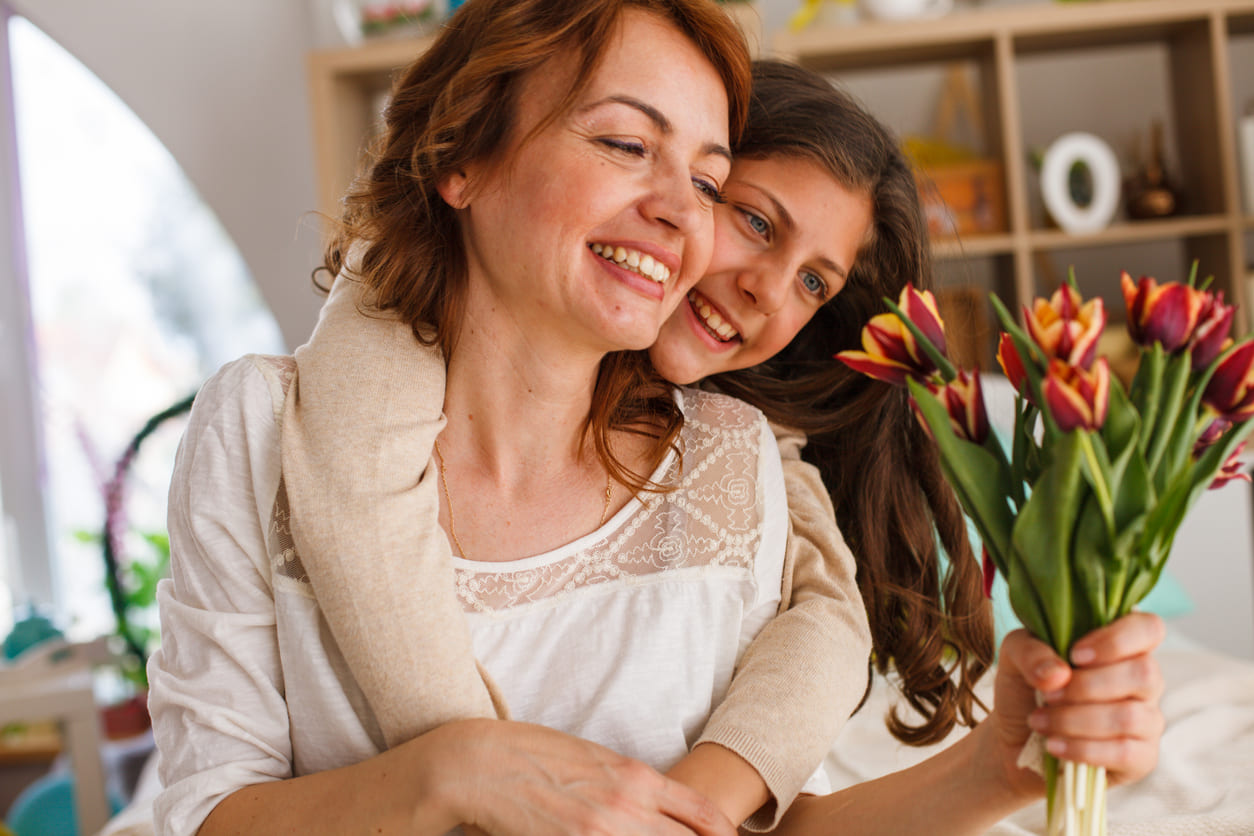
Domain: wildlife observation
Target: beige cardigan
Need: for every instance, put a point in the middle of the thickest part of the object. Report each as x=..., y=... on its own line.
x=357, y=438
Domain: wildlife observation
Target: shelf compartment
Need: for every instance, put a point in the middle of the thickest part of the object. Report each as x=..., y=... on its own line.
x=974, y=246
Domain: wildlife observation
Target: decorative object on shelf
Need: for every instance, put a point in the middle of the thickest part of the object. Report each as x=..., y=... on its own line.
x=358, y=19
x=824, y=13
x=1150, y=193
x=961, y=192
x=1057, y=171
x=1080, y=514
x=904, y=9
x=1246, y=141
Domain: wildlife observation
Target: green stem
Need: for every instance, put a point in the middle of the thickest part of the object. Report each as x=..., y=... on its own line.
x=1099, y=484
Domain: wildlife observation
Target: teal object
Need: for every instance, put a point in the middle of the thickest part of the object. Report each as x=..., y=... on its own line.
x=46, y=808
x=32, y=630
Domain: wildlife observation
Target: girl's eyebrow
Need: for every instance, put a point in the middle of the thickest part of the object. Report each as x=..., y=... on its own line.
x=658, y=119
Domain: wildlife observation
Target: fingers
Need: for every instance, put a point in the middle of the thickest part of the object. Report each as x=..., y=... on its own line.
x=1033, y=661
x=693, y=810
x=1135, y=634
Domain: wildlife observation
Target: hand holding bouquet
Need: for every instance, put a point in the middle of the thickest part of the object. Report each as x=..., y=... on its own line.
x=1080, y=513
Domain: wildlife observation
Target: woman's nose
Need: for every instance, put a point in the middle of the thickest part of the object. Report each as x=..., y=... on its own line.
x=676, y=202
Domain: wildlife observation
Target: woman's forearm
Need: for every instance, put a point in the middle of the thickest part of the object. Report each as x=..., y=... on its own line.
x=957, y=792
x=389, y=793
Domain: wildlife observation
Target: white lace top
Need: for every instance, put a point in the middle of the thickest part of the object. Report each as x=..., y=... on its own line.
x=627, y=637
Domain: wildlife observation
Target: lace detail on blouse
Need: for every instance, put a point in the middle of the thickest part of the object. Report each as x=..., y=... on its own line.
x=712, y=519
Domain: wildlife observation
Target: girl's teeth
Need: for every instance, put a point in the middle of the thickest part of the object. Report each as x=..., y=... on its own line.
x=635, y=261
x=711, y=319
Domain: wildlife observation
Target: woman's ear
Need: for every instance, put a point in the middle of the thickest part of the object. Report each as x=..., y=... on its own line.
x=455, y=189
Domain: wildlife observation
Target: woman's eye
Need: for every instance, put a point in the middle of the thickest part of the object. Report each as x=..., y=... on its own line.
x=756, y=223
x=709, y=190
x=814, y=284
x=636, y=149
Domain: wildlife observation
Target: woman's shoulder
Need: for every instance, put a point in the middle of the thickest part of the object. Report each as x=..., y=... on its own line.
x=716, y=411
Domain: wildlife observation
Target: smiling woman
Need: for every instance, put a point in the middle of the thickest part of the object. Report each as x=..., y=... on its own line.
x=530, y=132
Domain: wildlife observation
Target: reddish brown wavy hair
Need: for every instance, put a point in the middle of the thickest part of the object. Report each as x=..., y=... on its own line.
x=933, y=628
x=456, y=105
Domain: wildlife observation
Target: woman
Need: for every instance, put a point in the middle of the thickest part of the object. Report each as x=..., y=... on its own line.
x=787, y=239
x=534, y=130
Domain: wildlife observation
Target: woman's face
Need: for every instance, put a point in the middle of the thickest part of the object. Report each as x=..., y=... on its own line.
x=597, y=226
x=785, y=242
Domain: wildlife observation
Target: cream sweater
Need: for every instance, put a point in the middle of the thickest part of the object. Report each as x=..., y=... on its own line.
x=357, y=438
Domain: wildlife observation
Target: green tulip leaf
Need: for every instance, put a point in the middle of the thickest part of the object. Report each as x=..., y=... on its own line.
x=1092, y=558
x=1123, y=425
x=1146, y=385
x=1042, y=535
x=1175, y=384
x=976, y=475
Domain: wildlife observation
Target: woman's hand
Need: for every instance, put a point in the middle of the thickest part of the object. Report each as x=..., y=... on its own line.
x=519, y=779
x=1102, y=710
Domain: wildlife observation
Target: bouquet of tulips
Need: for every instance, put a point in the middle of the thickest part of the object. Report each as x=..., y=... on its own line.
x=1079, y=514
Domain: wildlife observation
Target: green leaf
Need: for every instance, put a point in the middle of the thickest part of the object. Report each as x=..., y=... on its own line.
x=1146, y=386
x=1092, y=558
x=1042, y=535
x=1123, y=424
x=1175, y=383
x=976, y=475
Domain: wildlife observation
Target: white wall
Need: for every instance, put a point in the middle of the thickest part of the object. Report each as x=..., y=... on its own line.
x=222, y=85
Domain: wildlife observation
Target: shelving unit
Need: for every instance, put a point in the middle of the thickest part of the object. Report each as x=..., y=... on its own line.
x=1201, y=51
x=1203, y=83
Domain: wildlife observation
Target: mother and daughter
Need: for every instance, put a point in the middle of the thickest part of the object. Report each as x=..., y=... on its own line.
x=478, y=555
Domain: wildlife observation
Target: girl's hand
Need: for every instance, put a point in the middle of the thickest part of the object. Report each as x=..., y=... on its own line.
x=1102, y=710
x=519, y=779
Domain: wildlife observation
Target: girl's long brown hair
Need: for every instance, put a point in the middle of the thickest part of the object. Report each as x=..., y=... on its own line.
x=456, y=105
x=892, y=501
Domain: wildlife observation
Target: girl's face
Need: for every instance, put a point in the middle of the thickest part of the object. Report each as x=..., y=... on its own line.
x=785, y=242
x=595, y=227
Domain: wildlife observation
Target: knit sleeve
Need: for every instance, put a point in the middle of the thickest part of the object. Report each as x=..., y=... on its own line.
x=358, y=430
x=804, y=674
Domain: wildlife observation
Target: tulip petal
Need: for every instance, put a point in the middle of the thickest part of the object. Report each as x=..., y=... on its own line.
x=876, y=367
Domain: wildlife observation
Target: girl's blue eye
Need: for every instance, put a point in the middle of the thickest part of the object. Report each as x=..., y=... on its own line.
x=814, y=284
x=757, y=223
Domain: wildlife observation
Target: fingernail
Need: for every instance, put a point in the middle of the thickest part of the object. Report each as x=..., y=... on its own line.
x=1055, y=746
x=1038, y=721
x=1052, y=696
x=1046, y=669
x=1083, y=655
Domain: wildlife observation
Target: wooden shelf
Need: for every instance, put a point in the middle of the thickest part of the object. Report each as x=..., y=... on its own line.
x=1190, y=41
x=1133, y=232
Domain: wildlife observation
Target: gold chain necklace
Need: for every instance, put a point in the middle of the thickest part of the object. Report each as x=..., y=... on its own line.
x=448, y=501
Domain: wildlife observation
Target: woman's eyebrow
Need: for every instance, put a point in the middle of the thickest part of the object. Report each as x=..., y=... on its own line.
x=658, y=119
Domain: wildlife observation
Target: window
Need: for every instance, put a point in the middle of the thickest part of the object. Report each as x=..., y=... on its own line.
x=136, y=295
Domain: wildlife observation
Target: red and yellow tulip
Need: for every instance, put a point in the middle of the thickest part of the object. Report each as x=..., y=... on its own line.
x=1066, y=327
x=1210, y=337
x=1011, y=364
x=1230, y=391
x=1164, y=313
x=1076, y=398
x=890, y=350
x=1232, y=469
x=964, y=401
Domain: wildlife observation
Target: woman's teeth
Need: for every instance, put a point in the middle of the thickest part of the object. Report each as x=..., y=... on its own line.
x=634, y=261
x=714, y=323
